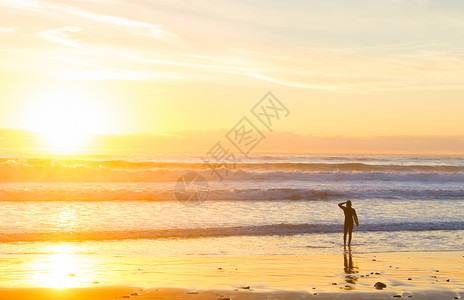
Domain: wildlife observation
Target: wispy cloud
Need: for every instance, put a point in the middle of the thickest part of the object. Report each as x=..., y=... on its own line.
x=61, y=35
x=21, y=4
x=217, y=70
x=291, y=83
x=7, y=29
x=138, y=27
x=118, y=74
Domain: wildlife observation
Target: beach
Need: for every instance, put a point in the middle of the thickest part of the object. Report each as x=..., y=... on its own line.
x=109, y=226
x=417, y=275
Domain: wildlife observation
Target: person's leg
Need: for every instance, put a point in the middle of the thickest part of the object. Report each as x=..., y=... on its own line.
x=345, y=230
x=350, y=228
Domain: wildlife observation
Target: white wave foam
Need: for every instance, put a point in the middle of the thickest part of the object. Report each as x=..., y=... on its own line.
x=259, y=230
x=98, y=193
x=120, y=171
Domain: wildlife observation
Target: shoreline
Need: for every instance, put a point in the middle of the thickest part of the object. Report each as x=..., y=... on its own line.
x=123, y=292
x=421, y=275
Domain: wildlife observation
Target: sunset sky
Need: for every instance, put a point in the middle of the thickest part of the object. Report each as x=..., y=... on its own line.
x=343, y=68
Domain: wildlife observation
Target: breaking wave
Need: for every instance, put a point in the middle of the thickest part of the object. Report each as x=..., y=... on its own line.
x=60, y=193
x=258, y=230
x=45, y=170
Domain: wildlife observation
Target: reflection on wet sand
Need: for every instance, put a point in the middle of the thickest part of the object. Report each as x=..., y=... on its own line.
x=350, y=270
x=62, y=268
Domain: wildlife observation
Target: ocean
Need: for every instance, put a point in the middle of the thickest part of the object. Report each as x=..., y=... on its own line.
x=268, y=204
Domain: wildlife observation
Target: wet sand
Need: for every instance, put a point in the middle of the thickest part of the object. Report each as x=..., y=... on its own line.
x=407, y=275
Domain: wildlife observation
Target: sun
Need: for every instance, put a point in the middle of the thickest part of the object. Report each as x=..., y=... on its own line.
x=66, y=117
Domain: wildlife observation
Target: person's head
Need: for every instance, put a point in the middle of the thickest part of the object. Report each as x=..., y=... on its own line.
x=348, y=203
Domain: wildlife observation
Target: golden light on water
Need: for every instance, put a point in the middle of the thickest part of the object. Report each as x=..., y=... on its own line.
x=66, y=218
x=61, y=269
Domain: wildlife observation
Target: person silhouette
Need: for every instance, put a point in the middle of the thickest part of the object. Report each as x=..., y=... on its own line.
x=349, y=214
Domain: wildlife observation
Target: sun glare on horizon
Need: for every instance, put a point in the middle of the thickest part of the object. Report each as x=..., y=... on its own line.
x=67, y=117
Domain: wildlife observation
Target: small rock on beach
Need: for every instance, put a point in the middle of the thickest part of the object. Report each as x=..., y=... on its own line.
x=380, y=285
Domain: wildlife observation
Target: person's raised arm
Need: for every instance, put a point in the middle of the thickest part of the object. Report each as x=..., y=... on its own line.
x=341, y=205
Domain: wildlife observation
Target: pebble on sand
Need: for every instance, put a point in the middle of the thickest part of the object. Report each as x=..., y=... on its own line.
x=409, y=278
x=380, y=285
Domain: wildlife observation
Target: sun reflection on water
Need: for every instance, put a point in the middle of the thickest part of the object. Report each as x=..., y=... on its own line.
x=66, y=218
x=61, y=269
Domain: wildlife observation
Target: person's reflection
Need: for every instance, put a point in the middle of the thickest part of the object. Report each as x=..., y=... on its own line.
x=350, y=270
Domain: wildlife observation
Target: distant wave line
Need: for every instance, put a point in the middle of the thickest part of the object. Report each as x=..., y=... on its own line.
x=42, y=163
x=260, y=230
x=12, y=171
x=98, y=193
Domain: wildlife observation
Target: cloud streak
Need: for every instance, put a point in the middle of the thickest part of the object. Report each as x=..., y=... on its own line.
x=7, y=30
x=20, y=4
x=61, y=35
x=142, y=28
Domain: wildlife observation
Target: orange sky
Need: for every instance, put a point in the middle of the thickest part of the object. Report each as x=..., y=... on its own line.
x=364, y=68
